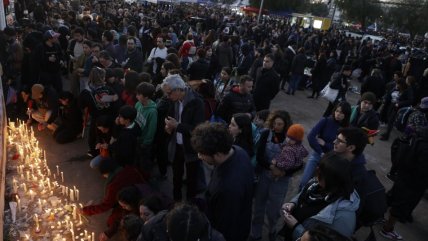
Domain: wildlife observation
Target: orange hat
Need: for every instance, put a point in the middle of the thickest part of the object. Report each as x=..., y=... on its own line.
x=296, y=132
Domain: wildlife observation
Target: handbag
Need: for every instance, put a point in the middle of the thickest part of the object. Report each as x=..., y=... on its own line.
x=329, y=93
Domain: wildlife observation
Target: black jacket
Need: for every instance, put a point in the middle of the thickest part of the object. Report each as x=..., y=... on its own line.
x=198, y=70
x=192, y=115
x=230, y=196
x=135, y=61
x=235, y=102
x=267, y=86
x=71, y=116
x=124, y=147
x=369, y=119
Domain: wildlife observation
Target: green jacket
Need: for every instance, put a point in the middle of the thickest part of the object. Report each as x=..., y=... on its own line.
x=147, y=117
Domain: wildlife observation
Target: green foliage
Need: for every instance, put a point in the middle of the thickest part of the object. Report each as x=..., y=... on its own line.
x=408, y=16
x=361, y=11
x=278, y=5
x=319, y=9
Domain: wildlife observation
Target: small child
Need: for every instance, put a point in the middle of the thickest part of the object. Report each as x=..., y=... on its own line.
x=293, y=152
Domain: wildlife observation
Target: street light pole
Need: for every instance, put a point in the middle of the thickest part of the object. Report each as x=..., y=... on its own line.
x=260, y=11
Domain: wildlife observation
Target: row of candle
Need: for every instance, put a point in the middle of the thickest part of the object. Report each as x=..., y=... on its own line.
x=36, y=172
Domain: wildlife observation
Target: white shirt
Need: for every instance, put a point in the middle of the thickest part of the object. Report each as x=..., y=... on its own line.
x=179, y=135
x=157, y=53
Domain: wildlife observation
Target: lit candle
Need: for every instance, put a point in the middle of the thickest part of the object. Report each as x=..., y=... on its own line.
x=66, y=191
x=37, y=222
x=40, y=205
x=48, y=180
x=24, y=186
x=18, y=202
x=93, y=236
x=74, y=212
x=72, y=235
x=86, y=233
x=80, y=219
x=49, y=171
x=28, y=175
x=77, y=195
x=59, y=224
x=71, y=196
x=57, y=170
x=31, y=195
x=62, y=176
x=54, y=176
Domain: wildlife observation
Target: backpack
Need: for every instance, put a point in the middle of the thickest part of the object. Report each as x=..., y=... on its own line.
x=402, y=116
x=373, y=195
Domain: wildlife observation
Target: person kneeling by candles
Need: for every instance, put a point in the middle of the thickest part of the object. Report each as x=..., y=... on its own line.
x=117, y=178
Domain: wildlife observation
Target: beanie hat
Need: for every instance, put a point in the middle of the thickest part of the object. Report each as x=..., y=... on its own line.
x=296, y=132
x=369, y=96
x=37, y=91
x=128, y=112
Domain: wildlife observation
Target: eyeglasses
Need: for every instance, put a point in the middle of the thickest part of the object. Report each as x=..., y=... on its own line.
x=339, y=140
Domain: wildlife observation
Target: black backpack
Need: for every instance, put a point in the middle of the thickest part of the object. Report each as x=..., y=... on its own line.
x=373, y=204
x=402, y=116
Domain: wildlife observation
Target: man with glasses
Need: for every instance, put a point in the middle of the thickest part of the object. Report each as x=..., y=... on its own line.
x=350, y=143
x=186, y=112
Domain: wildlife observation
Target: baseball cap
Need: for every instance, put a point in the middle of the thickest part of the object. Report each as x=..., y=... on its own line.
x=51, y=34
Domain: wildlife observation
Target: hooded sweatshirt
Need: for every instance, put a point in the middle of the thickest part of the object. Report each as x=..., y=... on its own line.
x=147, y=117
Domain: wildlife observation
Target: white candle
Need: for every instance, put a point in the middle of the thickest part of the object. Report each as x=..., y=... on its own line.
x=37, y=222
x=62, y=176
x=24, y=186
x=40, y=205
x=18, y=202
x=49, y=171
x=48, y=180
x=93, y=236
x=80, y=219
x=74, y=212
x=31, y=195
x=57, y=170
x=71, y=196
x=28, y=175
x=86, y=233
x=72, y=235
x=77, y=195
x=66, y=191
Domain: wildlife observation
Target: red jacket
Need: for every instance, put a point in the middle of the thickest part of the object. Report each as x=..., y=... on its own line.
x=126, y=177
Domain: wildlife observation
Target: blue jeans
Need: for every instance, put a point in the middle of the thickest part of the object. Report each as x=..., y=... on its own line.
x=294, y=83
x=96, y=162
x=311, y=164
x=270, y=192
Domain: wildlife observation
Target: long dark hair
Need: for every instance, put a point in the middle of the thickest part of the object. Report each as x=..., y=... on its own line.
x=245, y=138
x=346, y=110
x=335, y=171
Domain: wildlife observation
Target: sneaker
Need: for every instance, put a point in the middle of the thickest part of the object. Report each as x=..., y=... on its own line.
x=390, y=235
x=91, y=154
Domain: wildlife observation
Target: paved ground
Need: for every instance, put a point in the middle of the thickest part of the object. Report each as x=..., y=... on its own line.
x=72, y=160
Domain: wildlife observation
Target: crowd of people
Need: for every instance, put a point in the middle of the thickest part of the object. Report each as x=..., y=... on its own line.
x=191, y=86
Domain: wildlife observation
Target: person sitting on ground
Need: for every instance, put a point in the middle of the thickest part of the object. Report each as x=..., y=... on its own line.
x=187, y=223
x=46, y=105
x=104, y=132
x=322, y=136
x=69, y=122
x=323, y=233
x=153, y=213
x=364, y=115
x=117, y=178
x=131, y=226
x=329, y=200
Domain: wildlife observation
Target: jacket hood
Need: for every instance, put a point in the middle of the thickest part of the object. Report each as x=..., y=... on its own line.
x=328, y=214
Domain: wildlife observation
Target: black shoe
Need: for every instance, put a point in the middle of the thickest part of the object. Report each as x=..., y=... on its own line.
x=310, y=97
x=384, y=137
x=288, y=93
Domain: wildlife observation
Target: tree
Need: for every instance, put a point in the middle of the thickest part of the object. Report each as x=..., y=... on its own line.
x=407, y=16
x=361, y=11
x=319, y=9
x=278, y=5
